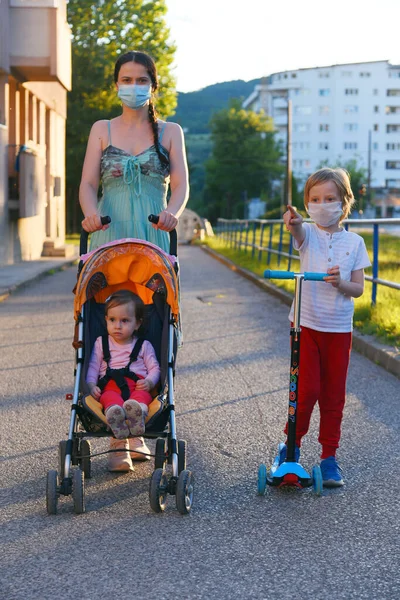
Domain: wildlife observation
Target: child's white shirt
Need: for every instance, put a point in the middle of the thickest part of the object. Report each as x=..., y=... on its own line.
x=323, y=307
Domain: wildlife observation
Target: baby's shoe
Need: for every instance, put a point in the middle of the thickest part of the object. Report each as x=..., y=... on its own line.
x=135, y=416
x=119, y=461
x=139, y=449
x=116, y=419
x=331, y=472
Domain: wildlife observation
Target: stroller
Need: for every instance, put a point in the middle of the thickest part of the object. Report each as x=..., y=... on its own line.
x=152, y=274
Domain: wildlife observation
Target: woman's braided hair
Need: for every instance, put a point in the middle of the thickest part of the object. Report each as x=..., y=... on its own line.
x=144, y=59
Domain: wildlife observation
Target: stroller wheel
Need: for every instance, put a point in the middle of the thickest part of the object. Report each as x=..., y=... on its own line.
x=160, y=458
x=158, y=490
x=184, y=492
x=84, y=458
x=62, y=450
x=78, y=491
x=181, y=455
x=262, y=480
x=317, y=480
x=52, y=492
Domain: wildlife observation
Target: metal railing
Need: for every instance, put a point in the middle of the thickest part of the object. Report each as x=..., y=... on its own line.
x=236, y=233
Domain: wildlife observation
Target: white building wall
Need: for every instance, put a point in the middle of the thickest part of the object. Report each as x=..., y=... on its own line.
x=349, y=101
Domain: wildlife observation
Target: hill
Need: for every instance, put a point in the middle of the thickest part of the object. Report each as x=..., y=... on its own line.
x=194, y=109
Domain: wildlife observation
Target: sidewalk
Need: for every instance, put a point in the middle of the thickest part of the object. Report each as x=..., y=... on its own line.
x=13, y=277
x=387, y=357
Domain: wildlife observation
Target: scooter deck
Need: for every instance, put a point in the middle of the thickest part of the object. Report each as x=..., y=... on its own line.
x=289, y=473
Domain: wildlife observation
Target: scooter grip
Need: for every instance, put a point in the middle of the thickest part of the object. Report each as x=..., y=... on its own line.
x=315, y=276
x=278, y=274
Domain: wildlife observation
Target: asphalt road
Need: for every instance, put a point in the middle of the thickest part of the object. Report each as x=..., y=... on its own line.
x=231, y=393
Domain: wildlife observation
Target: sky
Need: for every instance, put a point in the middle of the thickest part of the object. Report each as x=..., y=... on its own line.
x=223, y=40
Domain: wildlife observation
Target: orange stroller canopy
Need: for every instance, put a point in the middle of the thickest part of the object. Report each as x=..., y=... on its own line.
x=129, y=264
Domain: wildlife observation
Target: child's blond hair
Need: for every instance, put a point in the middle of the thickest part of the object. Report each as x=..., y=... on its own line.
x=342, y=180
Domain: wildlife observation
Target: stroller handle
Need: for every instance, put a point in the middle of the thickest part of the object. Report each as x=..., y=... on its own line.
x=173, y=237
x=85, y=235
x=291, y=275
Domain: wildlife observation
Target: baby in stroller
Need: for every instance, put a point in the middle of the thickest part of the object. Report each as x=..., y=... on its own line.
x=123, y=367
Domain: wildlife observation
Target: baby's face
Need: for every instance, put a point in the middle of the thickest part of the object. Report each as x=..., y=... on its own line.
x=121, y=323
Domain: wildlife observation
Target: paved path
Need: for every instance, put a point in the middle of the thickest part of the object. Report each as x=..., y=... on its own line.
x=231, y=390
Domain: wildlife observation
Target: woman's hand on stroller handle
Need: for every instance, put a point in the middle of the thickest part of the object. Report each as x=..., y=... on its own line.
x=104, y=221
x=166, y=221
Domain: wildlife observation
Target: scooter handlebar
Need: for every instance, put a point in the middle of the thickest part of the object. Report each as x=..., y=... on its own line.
x=268, y=274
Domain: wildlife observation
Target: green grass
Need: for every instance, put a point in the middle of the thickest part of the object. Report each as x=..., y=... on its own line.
x=381, y=320
x=73, y=238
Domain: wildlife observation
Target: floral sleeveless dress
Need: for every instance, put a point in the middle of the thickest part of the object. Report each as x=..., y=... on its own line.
x=134, y=186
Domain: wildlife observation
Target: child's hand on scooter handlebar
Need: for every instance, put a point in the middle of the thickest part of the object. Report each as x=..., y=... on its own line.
x=334, y=276
x=292, y=217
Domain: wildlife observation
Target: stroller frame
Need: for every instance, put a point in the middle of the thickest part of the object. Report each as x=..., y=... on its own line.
x=75, y=451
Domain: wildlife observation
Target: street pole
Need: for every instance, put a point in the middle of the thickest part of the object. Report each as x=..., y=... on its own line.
x=369, y=171
x=289, y=154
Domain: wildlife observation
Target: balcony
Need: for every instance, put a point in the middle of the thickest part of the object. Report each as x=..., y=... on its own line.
x=25, y=181
x=40, y=41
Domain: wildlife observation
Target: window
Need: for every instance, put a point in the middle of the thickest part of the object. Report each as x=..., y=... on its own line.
x=392, y=128
x=323, y=127
x=347, y=74
x=350, y=145
x=365, y=74
x=394, y=73
x=302, y=110
x=304, y=145
x=374, y=164
x=294, y=75
x=301, y=92
x=375, y=146
x=323, y=146
x=351, y=91
x=323, y=74
x=324, y=92
x=302, y=127
x=376, y=127
x=375, y=92
x=393, y=147
x=351, y=108
x=393, y=92
x=376, y=109
x=392, y=183
x=324, y=110
x=393, y=164
x=392, y=110
x=351, y=126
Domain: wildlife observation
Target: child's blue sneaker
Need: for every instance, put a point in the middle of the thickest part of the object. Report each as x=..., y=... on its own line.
x=331, y=472
x=282, y=454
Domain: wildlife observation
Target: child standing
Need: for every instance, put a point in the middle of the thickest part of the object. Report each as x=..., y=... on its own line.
x=125, y=396
x=326, y=310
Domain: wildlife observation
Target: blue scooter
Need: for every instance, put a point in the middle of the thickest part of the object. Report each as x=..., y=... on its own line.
x=290, y=472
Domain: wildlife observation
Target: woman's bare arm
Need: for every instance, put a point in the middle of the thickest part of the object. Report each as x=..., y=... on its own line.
x=179, y=180
x=88, y=188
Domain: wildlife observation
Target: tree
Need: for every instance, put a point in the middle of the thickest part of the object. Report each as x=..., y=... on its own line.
x=244, y=161
x=101, y=31
x=358, y=176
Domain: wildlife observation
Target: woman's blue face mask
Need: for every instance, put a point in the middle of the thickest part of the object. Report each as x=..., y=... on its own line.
x=134, y=96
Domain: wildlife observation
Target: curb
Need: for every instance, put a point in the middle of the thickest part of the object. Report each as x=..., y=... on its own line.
x=6, y=292
x=384, y=356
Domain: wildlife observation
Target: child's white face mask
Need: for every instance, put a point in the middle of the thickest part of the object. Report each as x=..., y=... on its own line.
x=326, y=214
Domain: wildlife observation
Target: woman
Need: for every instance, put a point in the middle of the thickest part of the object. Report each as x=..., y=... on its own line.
x=136, y=157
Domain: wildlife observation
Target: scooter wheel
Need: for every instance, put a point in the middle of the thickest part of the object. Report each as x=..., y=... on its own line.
x=262, y=480
x=317, y=480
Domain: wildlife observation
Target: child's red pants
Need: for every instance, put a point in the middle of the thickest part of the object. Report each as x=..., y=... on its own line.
x=324, y=362
x=112, y=394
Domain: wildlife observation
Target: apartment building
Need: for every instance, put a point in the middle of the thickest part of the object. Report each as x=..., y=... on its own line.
x=340, y=112
x=35, y=74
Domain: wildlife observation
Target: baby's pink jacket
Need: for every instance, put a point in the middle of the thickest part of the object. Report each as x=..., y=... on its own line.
x=145, y=365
